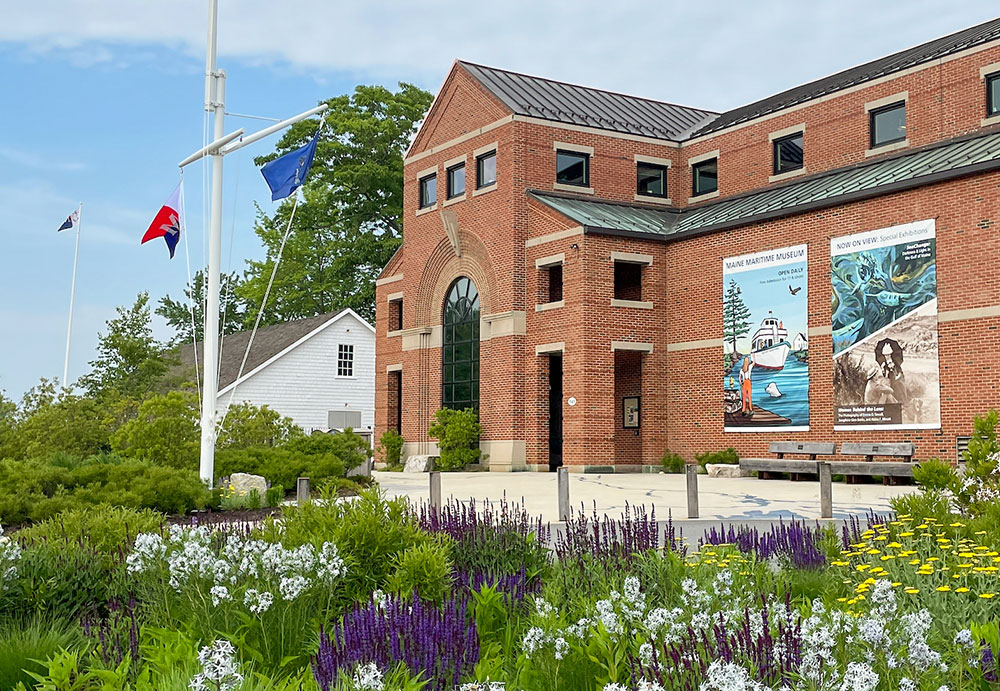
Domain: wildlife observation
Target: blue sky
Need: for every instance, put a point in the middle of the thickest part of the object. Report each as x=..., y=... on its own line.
x=102, y=98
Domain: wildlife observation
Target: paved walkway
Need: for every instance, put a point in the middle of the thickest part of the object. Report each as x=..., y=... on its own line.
x=729, y=499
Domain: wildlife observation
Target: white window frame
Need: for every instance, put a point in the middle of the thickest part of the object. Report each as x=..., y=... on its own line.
x=348, y=350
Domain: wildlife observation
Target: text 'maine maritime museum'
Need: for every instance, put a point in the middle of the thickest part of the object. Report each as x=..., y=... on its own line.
x=605, y=277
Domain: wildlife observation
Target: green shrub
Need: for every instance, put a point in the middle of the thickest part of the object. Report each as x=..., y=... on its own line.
x=275, y=495
x=728, y=456
x=71, y=424
x=22, y=646
x=672, y=462
x=165, y=431
x=391, y=446
x=457, y=432
x=278, y=466
x=349, y=447
x=976, y=491
x=423, y=570
x=105, y=528
x=247, y=425
x=934, y=474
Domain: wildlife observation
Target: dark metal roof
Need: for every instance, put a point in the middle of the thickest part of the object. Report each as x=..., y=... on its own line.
x=582, y=105
x=925, y=52
x=926, y=166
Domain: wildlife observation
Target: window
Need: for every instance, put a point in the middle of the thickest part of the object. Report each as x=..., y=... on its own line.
x=705, y=177
x=887, y=124
x=486, y=170
x=550, y=284
x=651, y=180
x=788, y=153
x=456, y=181
x=628, y=281
x=993, y=94
x=460, y=347
x=345, y=360
x=572, y=168
x=395, y=315
x=428, y=191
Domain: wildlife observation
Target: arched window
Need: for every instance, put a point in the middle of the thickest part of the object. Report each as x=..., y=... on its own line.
x=460, y=347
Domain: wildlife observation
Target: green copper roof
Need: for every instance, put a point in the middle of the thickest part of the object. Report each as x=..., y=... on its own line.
x=935, y=164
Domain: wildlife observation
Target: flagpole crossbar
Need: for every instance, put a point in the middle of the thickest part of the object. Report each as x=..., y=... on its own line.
x=212, y=148
x=267, y=131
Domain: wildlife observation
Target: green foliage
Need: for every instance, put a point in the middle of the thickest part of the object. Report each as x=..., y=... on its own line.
x=350, y=448
x=928, y=504
x=104, y=528
x=351, y=222
x=129, y=360
x=391, y=446
x=232, y=310
x=672, y=462
x=934, y=474
x=978, y=491
x=424, y=570
x=22, y=644
x=164, y=431
x=457, y=432
x=69, y=424
x=275, y=495
x=36, y=490
x=728, y=456
x=247, y=425
x=370, y=532
x=278, y=466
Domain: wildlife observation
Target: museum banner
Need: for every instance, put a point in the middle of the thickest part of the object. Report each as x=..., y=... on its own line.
x=885, y=339
x=765, y=317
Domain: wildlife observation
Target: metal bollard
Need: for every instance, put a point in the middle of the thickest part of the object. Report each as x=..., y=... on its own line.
x=435, y=480
x=562, y=481
x=691, y=474
x=825, y=491
x=302, y=490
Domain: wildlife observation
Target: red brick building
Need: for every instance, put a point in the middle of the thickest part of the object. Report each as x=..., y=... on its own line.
x=562, y=267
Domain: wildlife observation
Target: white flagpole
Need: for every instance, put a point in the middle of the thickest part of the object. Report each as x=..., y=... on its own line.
x=72, y=295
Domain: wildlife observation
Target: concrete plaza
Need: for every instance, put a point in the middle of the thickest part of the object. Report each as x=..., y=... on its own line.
x=720, y=499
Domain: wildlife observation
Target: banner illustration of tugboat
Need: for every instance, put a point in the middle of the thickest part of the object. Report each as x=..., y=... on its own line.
x=766, y=346
x=885, y=340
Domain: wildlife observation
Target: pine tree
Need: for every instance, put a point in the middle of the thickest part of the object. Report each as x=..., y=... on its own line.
x=735, y=314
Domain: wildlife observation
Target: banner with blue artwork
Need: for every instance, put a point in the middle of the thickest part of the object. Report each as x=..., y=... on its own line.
x=765, y=324
x=885, y=339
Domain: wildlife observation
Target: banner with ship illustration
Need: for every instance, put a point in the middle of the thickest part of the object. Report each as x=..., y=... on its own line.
x=765, y=320
x=885, y=340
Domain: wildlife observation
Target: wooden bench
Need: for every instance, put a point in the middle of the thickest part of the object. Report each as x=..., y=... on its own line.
x=780, y=464
x=888, y=470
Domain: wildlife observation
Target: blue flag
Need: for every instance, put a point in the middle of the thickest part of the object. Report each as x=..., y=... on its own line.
x=286, y=174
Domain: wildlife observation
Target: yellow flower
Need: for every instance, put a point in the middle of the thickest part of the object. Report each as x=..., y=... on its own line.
x=987, y=596
x=956, y=524
x=911, y=591
x=944, y=588
x=961, y=590
x=841, y=599
x=896, y=584
x=863, y=567
x=906, y=534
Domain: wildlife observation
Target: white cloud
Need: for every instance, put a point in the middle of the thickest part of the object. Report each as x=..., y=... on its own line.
x=35, y=162
x=713, y=55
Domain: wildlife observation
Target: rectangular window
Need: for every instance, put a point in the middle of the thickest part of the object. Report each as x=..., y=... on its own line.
x=428, y=191
x=993, y=94
x=887, y=124
x=486, y=170
x=705, y=177
x=572, y=168
x=550, y=283
x=628, y=281
x=651, y=180
x=345, y=360
x=788, y=153
x=456, y=181
x=395, y=315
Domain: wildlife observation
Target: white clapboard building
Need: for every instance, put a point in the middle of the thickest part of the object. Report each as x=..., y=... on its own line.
x=319, y=371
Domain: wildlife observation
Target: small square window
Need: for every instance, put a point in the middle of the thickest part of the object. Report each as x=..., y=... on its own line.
x=651, y=180
x=572, y=168
x=486, y=170
x=428, y=191
x=993, y=94
x=628, y=281
x=888, y=124
x=345, y=360
x=705, y=177
x=788, y=153
x=456, y=181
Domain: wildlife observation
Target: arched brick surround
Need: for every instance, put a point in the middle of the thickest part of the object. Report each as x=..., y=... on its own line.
x=443, y=267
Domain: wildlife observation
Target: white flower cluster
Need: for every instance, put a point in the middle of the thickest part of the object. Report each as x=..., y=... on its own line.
x=368, y=677
x=10, y=554
x=219, y=669
x=728, y=676
x=483, y=686
x=195, y=556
